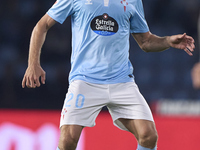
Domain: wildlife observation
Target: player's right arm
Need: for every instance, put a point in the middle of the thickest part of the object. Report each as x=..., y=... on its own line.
x=34, y=70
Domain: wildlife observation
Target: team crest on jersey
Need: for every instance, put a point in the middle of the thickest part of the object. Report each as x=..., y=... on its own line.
x=104, y=25
x=123, y=2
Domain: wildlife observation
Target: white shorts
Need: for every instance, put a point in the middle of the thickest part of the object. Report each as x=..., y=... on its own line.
x=85, y=100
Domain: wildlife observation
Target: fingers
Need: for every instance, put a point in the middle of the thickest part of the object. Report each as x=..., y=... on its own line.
x=43, y=78
x=33, y=81
x=23, y=82
x=189, y=44
x=183, y=36
x=188, y=51
x=30, y=82
x=190, y=41
x=37, y=82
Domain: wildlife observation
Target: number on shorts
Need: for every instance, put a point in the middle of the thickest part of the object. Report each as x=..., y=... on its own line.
x=69, y=98
x=80, y=99
x=78, y=103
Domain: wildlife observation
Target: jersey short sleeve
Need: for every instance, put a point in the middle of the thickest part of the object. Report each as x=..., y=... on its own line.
x=138, y=22
x=61, y=10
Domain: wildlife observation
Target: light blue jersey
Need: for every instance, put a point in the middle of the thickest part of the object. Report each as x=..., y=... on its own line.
x=100, y=37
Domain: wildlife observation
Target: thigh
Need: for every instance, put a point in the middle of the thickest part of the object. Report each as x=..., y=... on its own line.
x=83, y=103
x=127, y=102
x=139, y=127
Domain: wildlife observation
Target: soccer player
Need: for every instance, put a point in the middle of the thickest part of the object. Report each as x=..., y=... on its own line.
x=101, y=73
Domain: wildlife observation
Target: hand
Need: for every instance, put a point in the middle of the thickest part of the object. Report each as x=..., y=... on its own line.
x=32, y=75
x=183, y=41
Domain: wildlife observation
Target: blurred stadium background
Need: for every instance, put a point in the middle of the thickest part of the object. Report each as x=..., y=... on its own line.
x=163, y=78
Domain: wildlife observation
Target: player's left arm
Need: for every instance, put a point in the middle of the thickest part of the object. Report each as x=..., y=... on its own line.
x=153, y=43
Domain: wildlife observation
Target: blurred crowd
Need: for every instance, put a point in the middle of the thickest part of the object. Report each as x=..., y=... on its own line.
x=159, y=75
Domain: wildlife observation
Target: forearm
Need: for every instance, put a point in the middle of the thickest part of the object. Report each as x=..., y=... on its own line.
x=155, y=43
x=38, y=37
x=37, y=40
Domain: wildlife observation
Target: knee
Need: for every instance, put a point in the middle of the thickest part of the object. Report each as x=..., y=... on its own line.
x=148, y=138
x=69, y=138
x=68, y=142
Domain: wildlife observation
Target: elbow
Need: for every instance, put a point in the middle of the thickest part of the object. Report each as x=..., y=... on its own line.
x=41, y=27
x=146, y=43
x=145, y=48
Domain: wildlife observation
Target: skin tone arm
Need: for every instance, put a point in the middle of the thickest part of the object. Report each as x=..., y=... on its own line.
x=152, y=43
x=34, y=70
